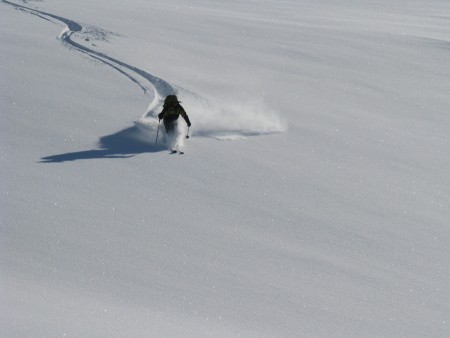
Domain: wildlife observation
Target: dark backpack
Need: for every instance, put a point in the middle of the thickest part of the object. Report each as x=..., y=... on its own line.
x=171, y=110
x=170, y=99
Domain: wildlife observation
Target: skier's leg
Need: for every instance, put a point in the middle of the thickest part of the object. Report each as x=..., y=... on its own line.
x=171, y=130
x=179, y=137
x=169, y=126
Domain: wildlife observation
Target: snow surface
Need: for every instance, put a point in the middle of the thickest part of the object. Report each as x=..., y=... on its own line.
x=326, y=214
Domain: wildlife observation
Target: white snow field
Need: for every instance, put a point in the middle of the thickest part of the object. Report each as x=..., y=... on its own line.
x=313, y=199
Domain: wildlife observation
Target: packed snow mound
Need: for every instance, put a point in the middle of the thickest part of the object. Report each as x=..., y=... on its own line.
x=149, y=131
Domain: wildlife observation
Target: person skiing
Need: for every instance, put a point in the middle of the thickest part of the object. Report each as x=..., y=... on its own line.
x=172, y=109
x=170, y=113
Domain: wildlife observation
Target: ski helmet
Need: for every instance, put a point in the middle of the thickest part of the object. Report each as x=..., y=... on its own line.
x=170, y=99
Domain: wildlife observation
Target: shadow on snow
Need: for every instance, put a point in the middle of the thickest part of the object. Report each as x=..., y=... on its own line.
x=123, y=144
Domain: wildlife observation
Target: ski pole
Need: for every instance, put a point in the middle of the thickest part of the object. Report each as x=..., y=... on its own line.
x=187, y=135
x=157, y=133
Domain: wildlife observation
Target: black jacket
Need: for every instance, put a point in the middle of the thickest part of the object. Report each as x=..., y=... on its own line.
x=171, y=112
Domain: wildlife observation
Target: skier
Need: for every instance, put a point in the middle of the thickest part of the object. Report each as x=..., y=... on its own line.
x=170, y=113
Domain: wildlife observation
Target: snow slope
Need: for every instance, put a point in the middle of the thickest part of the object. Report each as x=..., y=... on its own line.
x=326, y=215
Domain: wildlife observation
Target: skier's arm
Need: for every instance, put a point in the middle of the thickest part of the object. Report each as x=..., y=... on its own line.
x=161, y=115
x=186, y=118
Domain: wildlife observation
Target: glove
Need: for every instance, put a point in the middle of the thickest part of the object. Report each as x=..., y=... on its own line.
x=189, y=124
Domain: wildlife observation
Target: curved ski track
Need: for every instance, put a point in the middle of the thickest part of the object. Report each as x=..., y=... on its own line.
x=161, y=88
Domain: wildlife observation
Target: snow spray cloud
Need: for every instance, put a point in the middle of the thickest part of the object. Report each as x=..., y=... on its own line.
x=215, y=118
x=231, y=120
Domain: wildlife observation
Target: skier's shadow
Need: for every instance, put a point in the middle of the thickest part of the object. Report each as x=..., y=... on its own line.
x=123, y=144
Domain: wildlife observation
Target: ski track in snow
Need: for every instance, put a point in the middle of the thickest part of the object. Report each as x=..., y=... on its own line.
x=161, y=87
x=229, y=123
